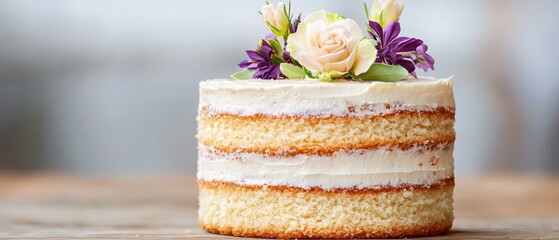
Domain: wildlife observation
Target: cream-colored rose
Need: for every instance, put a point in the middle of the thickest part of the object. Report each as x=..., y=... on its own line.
x=386, y=11
x=276, y=18
x=330, y=46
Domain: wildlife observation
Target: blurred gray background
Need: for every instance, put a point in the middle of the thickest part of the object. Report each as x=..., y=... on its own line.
x=110, y=87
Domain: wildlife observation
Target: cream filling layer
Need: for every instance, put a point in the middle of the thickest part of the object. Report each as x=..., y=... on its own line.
x=359, y=169
x=313, y=97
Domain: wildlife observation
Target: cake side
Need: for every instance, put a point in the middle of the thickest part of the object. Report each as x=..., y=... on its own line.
x=366, y=162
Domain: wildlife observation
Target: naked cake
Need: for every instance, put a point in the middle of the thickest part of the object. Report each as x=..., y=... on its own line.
x=303, y=148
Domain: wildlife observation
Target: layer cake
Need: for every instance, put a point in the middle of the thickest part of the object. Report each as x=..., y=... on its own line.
x=313, y=159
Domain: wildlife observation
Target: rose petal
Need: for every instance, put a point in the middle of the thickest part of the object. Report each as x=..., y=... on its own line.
x=310, y=63
x=352, y=27
x=333, y=57
x=316, y=51
x=341, y=66
x=366, y=55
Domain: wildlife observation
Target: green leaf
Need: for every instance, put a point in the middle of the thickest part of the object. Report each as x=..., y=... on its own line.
x=277, y=60
x=380, y=19
x=333, y=17
x=276, y=46
x=288, y=15
x=287, y=12
x=274, y=30
x=366, y=11
x=292, y=72
x=384, y=73
x=243, y=74
x=309, y=73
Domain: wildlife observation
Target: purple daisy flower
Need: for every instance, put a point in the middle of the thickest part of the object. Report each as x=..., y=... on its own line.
x=265, y=60
x=403, y=51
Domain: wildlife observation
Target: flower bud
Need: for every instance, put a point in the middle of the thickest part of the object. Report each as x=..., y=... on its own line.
x=275, y=16
x=386, y=11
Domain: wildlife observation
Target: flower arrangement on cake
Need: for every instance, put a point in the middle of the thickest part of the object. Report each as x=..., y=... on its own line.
x=327, y=46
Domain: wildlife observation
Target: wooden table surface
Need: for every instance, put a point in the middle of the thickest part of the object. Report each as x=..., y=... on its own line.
x=57, y=206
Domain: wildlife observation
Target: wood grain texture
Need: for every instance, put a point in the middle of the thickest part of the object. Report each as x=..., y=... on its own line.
x=58, y=206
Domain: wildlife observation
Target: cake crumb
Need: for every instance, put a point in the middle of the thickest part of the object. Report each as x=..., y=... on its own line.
x=434, y=159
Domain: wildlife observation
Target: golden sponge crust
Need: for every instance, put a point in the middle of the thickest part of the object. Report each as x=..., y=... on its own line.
x=288, y=212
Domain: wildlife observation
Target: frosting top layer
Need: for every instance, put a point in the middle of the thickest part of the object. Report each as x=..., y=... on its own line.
x=313, y=97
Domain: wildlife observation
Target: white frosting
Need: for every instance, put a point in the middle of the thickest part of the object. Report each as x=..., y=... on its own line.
x=361, y=169
x=312, y=97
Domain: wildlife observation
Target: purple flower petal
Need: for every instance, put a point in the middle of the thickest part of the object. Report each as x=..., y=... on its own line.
x=377, y=32
x=295, y=24
x=275, y=71
x=427, y=64
x=286, y=56
x=257, y=65
x=391, y=32
x=404, y=44
x=407, y=64
x=422, y=49
x=404, y=51
x=260, y=60
x=254, y=55
x=244, y=63
x=260, y=73
x=392, y=57
x=424, y=66
x=267, y=50
x=429, y=59
x=424, y=60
